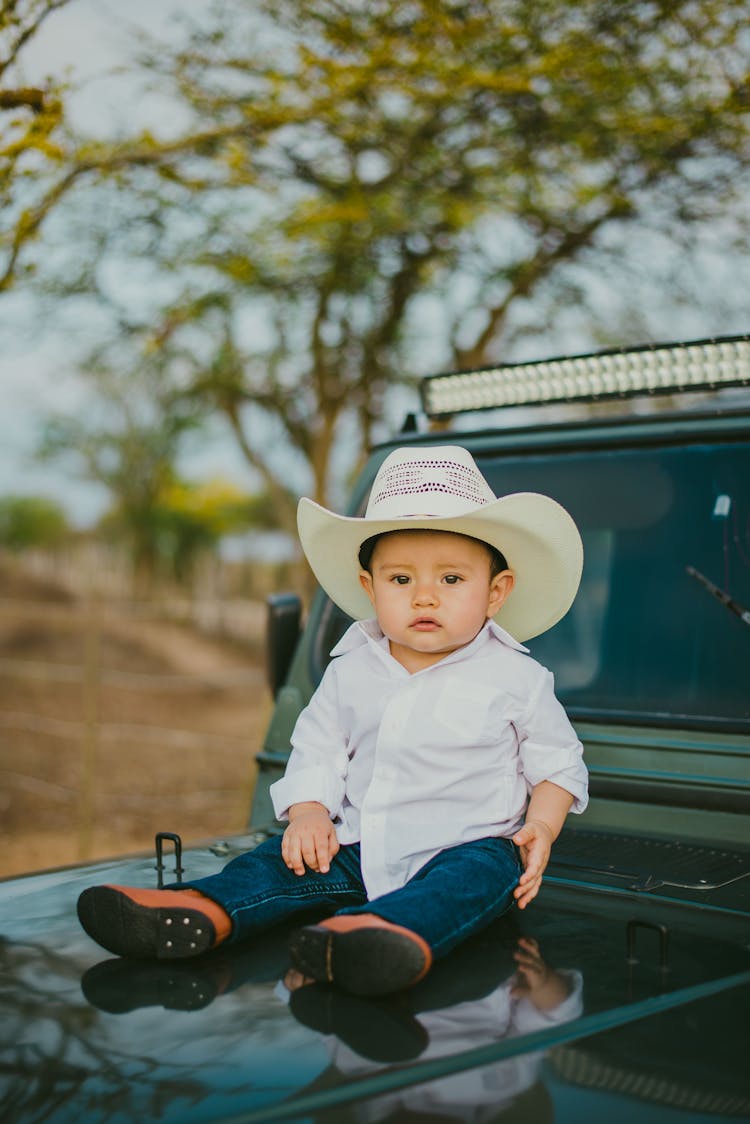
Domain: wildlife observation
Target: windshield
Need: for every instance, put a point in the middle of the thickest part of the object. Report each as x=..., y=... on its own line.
x=657, y=631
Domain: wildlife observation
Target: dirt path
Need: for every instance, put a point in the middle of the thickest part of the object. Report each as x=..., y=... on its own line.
x=114, y=726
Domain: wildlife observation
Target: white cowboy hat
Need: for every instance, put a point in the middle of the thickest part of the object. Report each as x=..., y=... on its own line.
x=441, y=489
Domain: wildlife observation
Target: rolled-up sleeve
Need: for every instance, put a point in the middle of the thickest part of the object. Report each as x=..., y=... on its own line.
x=318, y=763
x=548, y=745
x=527, y=1018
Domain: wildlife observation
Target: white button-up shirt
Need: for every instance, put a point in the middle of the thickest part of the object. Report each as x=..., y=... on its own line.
x=410, y=764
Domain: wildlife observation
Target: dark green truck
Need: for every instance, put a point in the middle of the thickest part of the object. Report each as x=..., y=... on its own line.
x=642, y=927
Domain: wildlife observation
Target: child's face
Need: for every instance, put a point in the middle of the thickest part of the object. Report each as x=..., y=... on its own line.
x=432, y=593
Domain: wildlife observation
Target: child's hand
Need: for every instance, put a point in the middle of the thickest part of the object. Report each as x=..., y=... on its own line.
x=310, y=839
x=534, y=841
x=535, y=981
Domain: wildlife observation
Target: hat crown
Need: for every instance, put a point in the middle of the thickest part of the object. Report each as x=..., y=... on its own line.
x=434, y=483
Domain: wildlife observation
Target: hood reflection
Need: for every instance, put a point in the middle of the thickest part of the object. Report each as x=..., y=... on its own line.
x=496, y=986
x=482, y=993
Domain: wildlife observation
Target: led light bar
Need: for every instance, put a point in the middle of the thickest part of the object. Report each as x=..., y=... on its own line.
x=661, y=369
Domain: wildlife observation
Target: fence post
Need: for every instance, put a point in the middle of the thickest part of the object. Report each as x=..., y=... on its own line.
x=90, y=741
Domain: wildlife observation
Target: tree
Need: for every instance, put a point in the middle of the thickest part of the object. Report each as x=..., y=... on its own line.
x=356, y=178
x=20, y=20
x=187, y=520
x=42, y=159
x=31, y=522
x=31, y=131
x=129, y=444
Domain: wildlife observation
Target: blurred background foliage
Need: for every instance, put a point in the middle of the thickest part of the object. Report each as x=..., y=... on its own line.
x=31, y=523
x=333, y=199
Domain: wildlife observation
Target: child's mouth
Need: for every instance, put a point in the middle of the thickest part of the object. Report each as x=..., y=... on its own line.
x=425, y=624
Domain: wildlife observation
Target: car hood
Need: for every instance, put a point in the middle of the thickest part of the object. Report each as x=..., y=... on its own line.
x=588, y=995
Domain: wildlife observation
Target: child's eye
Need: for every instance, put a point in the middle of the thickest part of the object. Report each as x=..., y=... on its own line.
x=400, y=579
x=452, y=579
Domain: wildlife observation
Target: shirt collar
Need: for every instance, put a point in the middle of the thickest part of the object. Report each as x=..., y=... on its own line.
x=369, y=632
x=505, y=637
x=359, y=634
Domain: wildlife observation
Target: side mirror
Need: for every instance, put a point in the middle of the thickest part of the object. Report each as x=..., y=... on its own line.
x=283, y=627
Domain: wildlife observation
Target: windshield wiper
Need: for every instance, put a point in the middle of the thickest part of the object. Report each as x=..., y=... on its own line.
x=720, y=595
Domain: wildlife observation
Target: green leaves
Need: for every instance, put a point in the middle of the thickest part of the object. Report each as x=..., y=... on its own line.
x=31, y=522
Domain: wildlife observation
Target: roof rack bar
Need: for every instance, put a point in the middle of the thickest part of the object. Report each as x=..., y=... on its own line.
x=650, y=369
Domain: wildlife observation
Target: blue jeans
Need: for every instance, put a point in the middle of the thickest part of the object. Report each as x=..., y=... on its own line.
x=455, y=894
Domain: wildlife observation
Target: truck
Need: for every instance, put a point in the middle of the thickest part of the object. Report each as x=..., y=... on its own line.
x=623, y=991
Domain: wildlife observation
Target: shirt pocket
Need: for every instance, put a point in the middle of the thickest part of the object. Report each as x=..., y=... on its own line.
x=463, y=714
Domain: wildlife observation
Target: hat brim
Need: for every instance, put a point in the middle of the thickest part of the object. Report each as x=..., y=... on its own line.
x=536, y=535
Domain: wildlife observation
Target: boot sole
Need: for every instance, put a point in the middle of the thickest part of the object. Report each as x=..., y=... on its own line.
x=140, y=932
x=361, y=961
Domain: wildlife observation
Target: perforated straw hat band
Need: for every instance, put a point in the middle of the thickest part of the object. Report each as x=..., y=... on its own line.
x=441, y=489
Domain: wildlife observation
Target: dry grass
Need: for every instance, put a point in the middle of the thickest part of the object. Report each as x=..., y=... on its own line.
x=114, y=727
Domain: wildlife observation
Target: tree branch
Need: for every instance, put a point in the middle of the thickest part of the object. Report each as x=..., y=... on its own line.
x=24, y=34
x=527, y=277
x=30, y=96
x=109, y=162
x=284, y=504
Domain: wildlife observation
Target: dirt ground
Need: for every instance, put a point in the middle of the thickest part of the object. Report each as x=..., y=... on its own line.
x=115, y=725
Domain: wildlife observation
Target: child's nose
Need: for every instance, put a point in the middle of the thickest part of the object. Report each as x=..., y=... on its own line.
x=425, y=594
